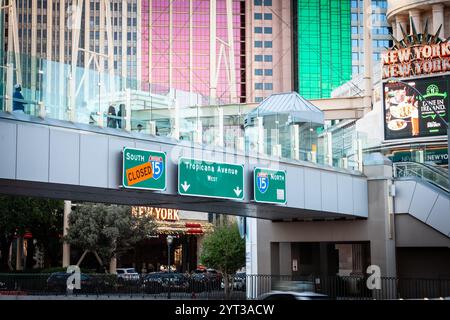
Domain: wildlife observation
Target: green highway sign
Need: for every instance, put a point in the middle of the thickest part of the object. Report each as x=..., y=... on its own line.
x=144, y=169
x=210, y=179
x=269, y=186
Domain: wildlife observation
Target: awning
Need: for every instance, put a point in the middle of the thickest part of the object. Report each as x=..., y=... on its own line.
x=300, y=109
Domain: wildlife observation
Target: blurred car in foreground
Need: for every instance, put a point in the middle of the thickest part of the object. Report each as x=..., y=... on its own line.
x=292, y=295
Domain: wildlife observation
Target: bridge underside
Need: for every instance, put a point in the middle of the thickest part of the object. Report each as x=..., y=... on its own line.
x=155, y=199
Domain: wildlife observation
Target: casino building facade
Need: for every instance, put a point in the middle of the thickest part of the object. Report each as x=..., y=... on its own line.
x=188, y=230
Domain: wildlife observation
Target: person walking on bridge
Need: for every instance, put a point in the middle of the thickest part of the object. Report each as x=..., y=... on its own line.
x=18, y=99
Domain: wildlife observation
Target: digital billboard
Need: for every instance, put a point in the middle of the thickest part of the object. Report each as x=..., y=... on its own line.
x=408, y=114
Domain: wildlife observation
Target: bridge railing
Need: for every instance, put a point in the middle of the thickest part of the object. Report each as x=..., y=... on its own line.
x=55, y=90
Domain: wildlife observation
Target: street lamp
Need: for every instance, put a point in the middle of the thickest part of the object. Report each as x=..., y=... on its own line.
x=432, y=108
x=169, y=243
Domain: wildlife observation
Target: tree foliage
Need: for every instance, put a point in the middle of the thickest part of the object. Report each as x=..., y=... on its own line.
x=108, y=230
x=42, y=217
x=224, y=250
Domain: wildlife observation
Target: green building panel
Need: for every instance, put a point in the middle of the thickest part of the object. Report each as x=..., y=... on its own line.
x=323, y=46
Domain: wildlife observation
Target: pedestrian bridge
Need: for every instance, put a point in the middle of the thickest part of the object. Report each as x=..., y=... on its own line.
x=74, y=161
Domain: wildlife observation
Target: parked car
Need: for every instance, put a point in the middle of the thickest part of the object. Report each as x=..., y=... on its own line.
x=57, y=283
x=238, y=281
x=127, y=275
x=157, y=282
x=292, y=295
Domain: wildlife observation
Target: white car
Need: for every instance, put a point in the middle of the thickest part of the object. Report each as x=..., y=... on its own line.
x=127, y=275
x=292, y=295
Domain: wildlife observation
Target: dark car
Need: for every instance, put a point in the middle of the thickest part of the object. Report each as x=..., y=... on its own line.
x=157, y=282
x=57, y=283
x=199, y=282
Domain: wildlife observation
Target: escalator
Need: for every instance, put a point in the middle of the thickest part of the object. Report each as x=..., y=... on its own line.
x=422, y=190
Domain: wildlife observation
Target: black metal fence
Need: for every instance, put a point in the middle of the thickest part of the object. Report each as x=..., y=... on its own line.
x=180, y=286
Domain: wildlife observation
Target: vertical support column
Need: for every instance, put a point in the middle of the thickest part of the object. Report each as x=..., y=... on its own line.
x=329, y=149
x=128, y=110
x=249, y=23
x=124, y=71
x=295, y=139
x=66, y=246
x=221, y=127
x=139, y=43
x=170, y=43
x=438, y=18
x=360, y=155
x=34, y=72
x=232, y=65
x=400, y=22
x=176, y=128
x=150, y=40
x=415, y=15
x=260, y=126
x=87, y=46
x=9, y=87
x=62, y=78
x=212, y=51
x=49, y=70
x=19, y=253
x=367, y=58
x=191, y=47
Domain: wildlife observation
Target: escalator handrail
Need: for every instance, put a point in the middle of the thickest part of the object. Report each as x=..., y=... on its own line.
x=403, y=165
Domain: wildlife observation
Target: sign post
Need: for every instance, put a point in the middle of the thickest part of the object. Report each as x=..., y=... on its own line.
x=269, y=186
x=210, y=179
x=144, y=169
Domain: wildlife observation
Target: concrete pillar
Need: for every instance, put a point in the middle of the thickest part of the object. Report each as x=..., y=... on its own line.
x=403, y=22
x=438, y=18
x=416, y=17
x=382, y=247
x=66, y=246
x=19, y=254
x=381, y=234
x=285, y=255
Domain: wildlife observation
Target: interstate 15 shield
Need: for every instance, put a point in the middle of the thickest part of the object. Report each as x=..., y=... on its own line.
x=144, y=169
x=269, y=186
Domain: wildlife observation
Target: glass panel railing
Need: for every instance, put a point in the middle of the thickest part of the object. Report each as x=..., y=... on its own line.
x=422, y=171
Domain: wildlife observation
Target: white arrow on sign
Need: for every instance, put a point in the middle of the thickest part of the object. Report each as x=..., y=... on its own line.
x=185, y=186
x=237, y=191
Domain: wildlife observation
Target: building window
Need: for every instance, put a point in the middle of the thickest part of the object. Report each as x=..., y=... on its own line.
x=354, y=30
x=258, y=16
x=259, y=99
x=355, y=69
x=354, y=43
x=267, y=44
x=268, y=58
x=268, y=86
x=258, y=44
x=354, y=3
x=268, y=72
x=258, y=72
x=258, y=58
x=258, y=2
x=268, y=30
x=267, y=2
x=258, y=86
x=354, y=17
x=267, y=16
x=258, y=29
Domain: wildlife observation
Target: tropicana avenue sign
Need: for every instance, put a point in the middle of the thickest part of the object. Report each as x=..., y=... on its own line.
x=416, y=60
